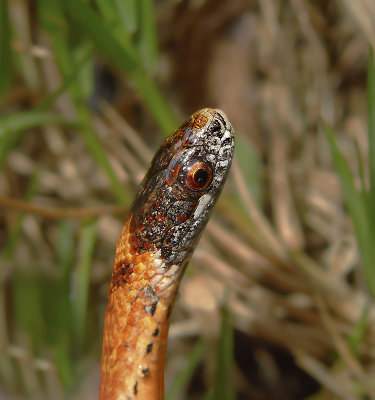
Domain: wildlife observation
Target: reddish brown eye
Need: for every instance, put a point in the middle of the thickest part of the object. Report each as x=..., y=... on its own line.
x=199, y=176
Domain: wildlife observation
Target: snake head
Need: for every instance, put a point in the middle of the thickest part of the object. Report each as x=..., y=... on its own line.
x=184, y=181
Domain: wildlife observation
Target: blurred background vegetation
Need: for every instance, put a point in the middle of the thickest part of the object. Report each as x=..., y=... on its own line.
x=278, y=302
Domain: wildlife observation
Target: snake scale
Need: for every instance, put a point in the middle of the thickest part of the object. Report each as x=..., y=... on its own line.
x=167, y=217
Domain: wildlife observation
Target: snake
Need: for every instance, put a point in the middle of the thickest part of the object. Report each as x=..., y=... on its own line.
x=167, y=217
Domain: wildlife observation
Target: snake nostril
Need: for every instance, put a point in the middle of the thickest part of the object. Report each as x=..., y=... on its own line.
x=215, y=127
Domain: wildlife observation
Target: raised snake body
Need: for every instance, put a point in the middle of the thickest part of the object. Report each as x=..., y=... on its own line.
x=167, y=217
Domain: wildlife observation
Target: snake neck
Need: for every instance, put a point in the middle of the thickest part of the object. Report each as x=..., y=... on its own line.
x=141, y=298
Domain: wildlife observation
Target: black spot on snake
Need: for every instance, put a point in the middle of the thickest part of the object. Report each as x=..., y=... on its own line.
x=149, y=348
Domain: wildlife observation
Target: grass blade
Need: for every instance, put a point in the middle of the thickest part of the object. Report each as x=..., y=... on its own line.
x=27, y=120
x=121, y=54
x=371, y=126
x=6, y=367
x=358, y=211
x=26, y=291
x=81, y=280
x=224, y=387
x=68, y=80
x=13, y=126
x=155, y=102
x=7, y=372
x=357, y=336
x=184, y=376
x=209, y=395
x=361, y=170
x=57, y=316
x=147, y=40
x=5, y=50
x=10, y=246
x=57, y=305
x=371, y=144
x=251, y=166
x=351, y=195
x=127, y=11
x=96, y=148
x=125, y=57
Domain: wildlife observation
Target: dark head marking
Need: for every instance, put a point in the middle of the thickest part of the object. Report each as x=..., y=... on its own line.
x=182, y=185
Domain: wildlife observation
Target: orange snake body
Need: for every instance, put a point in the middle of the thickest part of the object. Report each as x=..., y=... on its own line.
x=166, y=220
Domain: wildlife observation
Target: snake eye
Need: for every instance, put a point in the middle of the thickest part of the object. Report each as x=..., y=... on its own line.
x=199, y=176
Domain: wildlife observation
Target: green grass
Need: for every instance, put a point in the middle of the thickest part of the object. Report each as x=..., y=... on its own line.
x=183, y=376
x=124, y=53
x=5, y=50
x=361, y=200
x=224, y=384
